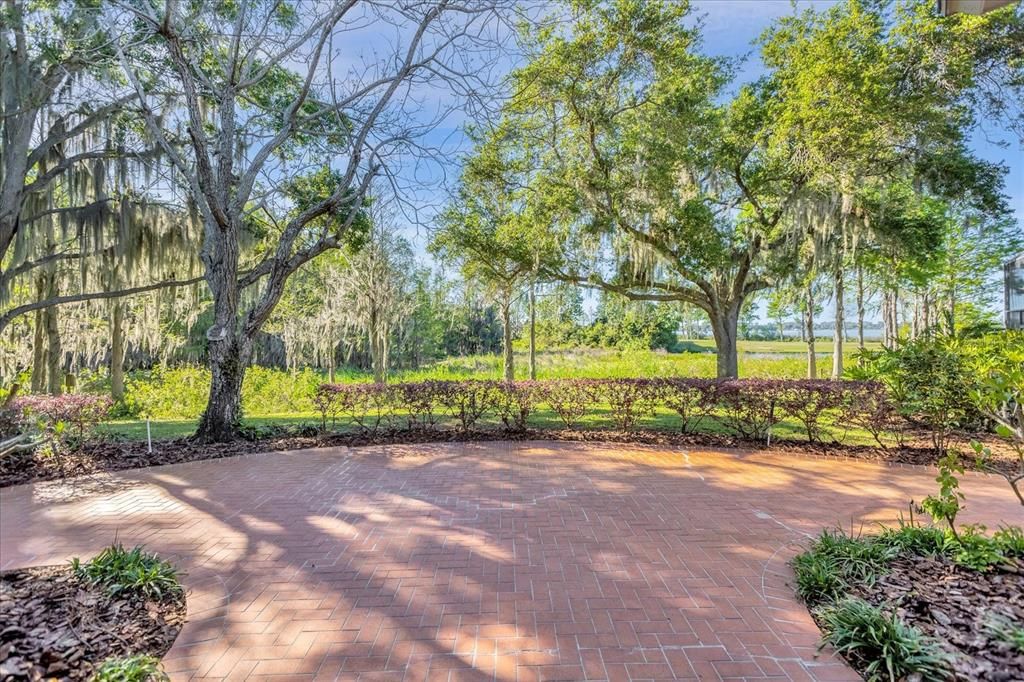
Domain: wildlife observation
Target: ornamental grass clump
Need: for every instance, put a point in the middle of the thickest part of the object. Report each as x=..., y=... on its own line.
x=886, y=648
x=135, y=570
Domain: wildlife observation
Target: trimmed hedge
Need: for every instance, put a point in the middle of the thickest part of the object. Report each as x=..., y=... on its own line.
x=750, y=407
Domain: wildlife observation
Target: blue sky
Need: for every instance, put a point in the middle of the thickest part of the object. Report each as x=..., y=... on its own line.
x=729, y=29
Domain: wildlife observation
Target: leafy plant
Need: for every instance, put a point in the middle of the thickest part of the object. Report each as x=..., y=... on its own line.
x=135, y=570
x=887, y=648
x=688, y=398
x=569, y=398
x=749, y=405
x=808, y=401
x=139, y=668
x=929, y=381
x=630, y=399
x=836, y=560
x=515, y=402
x=998, y=392
x=946, y=505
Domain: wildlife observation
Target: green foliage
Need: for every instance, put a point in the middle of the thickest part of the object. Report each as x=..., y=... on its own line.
x=947, y=503
x=930, y=382
x=887, y=647
x=117, y=569
x=139, y=668
x=998, y=392
x=835, y=561
x=181, y=392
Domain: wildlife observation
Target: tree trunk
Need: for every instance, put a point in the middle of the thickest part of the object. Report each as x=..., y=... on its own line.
x=533, y=331
x=117, y=352
x=724, y=324
x=839, y=330
x=506, y=329
x=951, y=310
x=812, y=358
x=782, y=330
x=890, y=332
x=39, y=344
x=230, y=349
x=55, y=354
x=860, y=308
x=223, y=413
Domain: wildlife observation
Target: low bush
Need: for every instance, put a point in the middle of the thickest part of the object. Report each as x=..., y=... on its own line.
x=139, y=668
x=930, y=381
x=53, y=423
x=689, y=399
x=420, y=402
x=867, y=405
x=468, y=401
x=570, y=399
x=887, y=648
x=629, y=399
x=809, y=401
x=117, y=569
x=749, y=405
x=515, y=402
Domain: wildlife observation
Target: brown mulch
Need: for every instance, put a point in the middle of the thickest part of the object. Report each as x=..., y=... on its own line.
x=957, y=606
x=101, y=455
x=55, y=626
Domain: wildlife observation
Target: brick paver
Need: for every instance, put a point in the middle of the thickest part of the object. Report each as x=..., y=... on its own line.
x=491, y=561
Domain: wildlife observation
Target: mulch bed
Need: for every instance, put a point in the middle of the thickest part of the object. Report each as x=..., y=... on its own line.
x=956, y=606
x=113, y=455
x=56, y=626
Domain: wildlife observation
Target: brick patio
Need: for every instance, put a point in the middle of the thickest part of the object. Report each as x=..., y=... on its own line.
x=492, y=561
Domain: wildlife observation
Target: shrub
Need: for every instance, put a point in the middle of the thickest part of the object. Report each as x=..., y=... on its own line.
x=867, y=405
x=117, y=569
x=629, y=399
x=688, y=398
x=887, y=648
x=140, y=668
x=998, y=392
x=369, y=406
x=807, y=401
x=327, y=403
x=569, y=398
x=749, y=405
x=930, y=382
x=55, y=423
x=420, y=402
x=515, y=401
x=467, y=401
x=78, y=412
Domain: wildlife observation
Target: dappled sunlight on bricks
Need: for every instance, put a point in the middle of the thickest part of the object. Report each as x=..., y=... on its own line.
x=496, y=561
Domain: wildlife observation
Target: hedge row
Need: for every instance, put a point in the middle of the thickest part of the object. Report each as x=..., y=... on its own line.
x=749, y=406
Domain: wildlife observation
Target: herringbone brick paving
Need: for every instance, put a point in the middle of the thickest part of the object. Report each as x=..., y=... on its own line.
x=492, y=561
